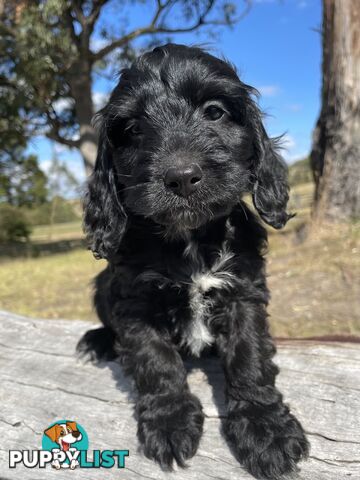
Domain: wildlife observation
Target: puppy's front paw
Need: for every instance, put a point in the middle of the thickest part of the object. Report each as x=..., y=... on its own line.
x=169, y=427
x=268, y=442
x=97, y=345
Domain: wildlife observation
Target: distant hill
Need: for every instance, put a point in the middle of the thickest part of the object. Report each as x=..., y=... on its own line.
x=300, y=172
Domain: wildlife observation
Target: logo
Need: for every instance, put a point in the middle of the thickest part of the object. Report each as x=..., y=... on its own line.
x=65, y=444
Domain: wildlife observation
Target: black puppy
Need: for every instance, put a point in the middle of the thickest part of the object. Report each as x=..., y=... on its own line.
x=181, y=140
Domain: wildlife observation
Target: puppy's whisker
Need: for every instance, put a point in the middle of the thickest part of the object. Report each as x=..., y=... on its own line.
x=132, y=187
x=243, y=209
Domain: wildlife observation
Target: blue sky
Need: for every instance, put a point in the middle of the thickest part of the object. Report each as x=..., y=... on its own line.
x=275, y=48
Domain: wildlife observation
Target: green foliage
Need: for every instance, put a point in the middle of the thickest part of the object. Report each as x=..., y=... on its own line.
x=47, y=54
x=16, y=222
x=60, y=178
x=36, y=51
x=22, y=182
x=29, y=197
x=64, y=211
x=44, y=50
x=14, y=225
x=58, y=210
x=300, y=172
x=34, y=47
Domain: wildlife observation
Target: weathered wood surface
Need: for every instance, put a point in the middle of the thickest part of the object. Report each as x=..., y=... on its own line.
x=42, y=381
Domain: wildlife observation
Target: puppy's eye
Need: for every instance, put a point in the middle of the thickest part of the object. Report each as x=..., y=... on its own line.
x=133, y=128
x=213, y=112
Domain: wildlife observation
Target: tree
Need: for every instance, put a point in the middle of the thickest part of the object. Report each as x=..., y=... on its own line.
x=335, y=156
x=22, y=182
x=52, y=54
x=14, y=225
x=18, y=106
x=60, y=180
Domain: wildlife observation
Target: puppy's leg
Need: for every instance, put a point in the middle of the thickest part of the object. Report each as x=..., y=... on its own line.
x=170, y=418
x=266, y=438
x=97, y=345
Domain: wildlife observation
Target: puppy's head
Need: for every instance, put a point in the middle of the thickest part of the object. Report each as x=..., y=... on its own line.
x=64, y=434
x=181, y=140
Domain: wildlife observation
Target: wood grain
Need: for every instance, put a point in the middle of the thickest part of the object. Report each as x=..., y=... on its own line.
x=42, y=381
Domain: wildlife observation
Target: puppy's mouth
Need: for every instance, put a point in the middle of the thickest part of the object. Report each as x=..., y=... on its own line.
x=181, y=218
x=189, y=218
x=65, y=446
x=178, y=214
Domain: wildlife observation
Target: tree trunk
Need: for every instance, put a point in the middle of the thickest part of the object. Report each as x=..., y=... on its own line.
x=80, y=84
x=335, y=155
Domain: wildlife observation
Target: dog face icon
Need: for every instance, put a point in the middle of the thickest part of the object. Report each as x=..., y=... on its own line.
x=64, y=434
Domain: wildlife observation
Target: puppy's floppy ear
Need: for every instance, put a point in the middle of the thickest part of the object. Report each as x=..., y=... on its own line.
x=53, y=432
x=270, y=188
x=104, y=216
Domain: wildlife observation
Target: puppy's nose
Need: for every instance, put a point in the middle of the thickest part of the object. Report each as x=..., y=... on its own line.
x=183, y=180
x=76, y=433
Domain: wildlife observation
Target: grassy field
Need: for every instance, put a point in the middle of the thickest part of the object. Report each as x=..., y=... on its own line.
x=53, y=286
x=61, y=231
x=314, y=278
x=315, y=283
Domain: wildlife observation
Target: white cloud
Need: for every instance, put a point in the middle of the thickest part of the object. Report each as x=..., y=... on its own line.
x=75, y=166
x=45, y=166
x=297, y=155
x=60, y=148
x=294, y=107
x=97, y=44
x=99, y=99
x=269, y=90
x=302, y=4
x=288, y=142
x=299, y=4
x=78, y=170
x=288, y=146
x=292, y=148
x=62, y=103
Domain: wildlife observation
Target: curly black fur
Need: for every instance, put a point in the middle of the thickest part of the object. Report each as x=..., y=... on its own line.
x=186, y=271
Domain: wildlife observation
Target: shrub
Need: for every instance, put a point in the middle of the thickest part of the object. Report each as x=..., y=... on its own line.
x=14, y=225
x=300, y=172
x=62, y=211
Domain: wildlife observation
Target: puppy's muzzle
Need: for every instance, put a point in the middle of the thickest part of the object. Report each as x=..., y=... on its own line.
x=183, y=181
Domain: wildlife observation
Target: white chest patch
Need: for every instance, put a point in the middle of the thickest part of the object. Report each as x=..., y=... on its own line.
x=198, y=335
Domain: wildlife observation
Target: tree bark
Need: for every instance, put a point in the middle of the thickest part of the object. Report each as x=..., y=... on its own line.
x=335, y=156
x=80, y=84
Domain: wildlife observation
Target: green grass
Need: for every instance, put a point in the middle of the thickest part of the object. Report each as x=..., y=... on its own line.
x=314, y=278
x=55, y=286
x=59, y=231
x=315, y=283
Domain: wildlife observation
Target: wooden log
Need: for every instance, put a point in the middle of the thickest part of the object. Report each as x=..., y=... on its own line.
x=42, y=381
